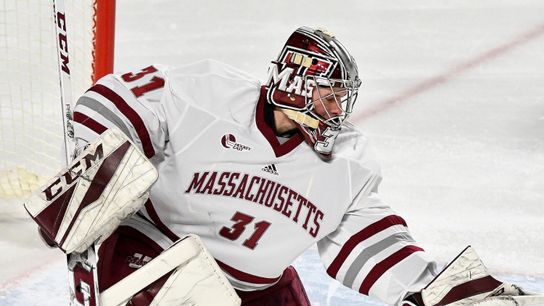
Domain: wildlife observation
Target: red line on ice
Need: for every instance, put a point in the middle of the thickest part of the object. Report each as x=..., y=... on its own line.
x=42, y=265
x=446, y=76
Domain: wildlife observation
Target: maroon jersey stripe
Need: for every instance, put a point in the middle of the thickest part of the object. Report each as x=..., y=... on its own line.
x=158, y=222
x=131, y=115
x=468, y=289
x=386, y=264
x=246, y=277
x=51, y=217
x=89, y=122
x=100, y=181
x=362, y=235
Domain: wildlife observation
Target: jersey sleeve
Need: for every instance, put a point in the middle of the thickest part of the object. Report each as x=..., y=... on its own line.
x=131, y=102
x=372, y=251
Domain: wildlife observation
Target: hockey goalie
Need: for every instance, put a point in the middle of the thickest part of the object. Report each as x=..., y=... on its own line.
x=109, y=181
x=259, y=171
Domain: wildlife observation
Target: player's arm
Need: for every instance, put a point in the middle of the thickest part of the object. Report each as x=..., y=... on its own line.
x=373, y=252
x=132, y=103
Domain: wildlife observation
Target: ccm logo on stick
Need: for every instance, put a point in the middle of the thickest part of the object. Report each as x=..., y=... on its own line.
x=70, y=175
x=63, y=42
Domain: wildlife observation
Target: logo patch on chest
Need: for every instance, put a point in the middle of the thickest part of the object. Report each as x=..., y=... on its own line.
x=228, y=141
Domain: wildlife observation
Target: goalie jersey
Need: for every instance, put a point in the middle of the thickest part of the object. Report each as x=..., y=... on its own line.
x=257, y=201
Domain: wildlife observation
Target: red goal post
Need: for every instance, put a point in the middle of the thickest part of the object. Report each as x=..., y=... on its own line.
x=31, y=117
x=104, y=38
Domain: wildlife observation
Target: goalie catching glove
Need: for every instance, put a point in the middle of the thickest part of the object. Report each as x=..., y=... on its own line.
x=85, y=202
x=466, y=281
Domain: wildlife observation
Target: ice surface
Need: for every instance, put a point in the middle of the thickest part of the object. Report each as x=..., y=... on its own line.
x=460, y=141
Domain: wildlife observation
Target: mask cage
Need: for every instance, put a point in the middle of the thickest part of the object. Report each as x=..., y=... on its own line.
x=336, y=98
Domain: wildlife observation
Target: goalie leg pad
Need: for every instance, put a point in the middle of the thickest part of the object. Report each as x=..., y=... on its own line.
x=197, y=281
x=124, y=252
x=86, y=201
x=133, y=269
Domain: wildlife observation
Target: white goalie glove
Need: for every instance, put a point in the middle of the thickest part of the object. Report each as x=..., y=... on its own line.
x=466, y=281
x=85, y=202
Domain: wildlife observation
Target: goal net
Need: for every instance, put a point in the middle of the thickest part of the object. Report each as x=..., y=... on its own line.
x=31, y=116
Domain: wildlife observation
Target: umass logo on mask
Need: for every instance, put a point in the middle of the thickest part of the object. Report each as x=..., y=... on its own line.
x=229, y=141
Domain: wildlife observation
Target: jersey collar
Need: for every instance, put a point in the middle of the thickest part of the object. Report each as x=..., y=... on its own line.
x=279, y=148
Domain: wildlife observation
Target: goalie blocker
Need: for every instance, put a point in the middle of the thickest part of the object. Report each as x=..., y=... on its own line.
x=86, y=201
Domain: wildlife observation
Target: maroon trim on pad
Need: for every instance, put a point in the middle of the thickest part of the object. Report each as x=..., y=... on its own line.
x=100, y=181
x=468, y=289
x=51, y=217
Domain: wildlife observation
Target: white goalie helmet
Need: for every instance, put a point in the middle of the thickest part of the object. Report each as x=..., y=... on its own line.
x=314, y=81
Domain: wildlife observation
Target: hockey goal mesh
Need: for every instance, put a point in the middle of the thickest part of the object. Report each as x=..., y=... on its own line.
x=31, y=126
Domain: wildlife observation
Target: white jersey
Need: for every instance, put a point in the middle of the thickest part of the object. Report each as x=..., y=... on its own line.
x=256, y=201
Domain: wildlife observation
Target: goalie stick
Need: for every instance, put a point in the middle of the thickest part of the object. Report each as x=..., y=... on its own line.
x=84, y=292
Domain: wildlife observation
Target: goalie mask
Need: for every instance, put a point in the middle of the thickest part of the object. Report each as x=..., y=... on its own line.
x=314, y=82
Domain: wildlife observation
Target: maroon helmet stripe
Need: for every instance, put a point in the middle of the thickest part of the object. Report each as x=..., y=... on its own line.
x=362, y=235
x=89, y=123
x=246, y=277
x=100, y=181
x=386, y=264
x=51, y=217
x=468, y=289
x=279, y=148
x=158, y=222
x=131, y=115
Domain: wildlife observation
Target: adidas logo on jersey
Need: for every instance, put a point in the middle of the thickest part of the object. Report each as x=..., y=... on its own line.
x=271, y=169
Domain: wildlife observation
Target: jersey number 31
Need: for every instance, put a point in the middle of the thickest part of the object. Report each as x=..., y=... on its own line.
x=240, y=222
x=154, y=83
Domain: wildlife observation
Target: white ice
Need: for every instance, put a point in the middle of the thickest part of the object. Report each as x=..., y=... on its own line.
x=461, y=141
